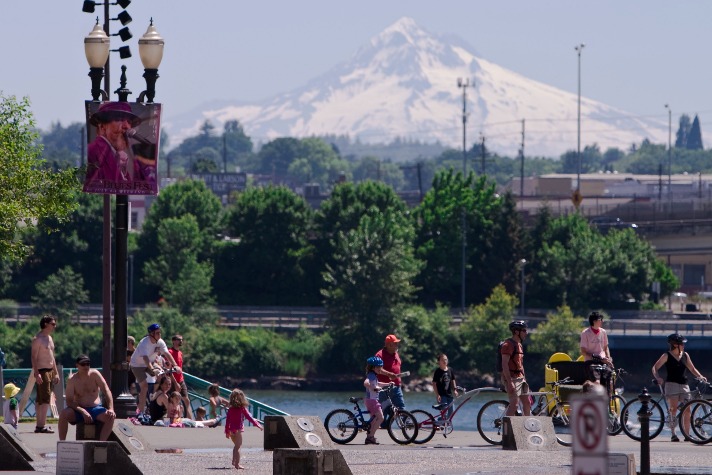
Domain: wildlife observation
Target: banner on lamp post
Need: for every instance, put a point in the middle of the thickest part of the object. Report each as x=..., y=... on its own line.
x=122, y=153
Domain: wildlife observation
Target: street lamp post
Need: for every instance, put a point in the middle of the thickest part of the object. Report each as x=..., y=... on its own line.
x=463, y=84
x=578, y=49
x=667, y=106
x=523, y=263
x=151, y=52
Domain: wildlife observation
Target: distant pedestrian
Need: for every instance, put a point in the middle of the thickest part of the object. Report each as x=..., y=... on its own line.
x=235, y=423
x=11, y=407
x=444, y=384
x=130, y=348
x=177, y=354
x=44, y=368
x=216, y=401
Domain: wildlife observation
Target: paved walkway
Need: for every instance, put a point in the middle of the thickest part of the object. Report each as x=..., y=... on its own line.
x=201, y=451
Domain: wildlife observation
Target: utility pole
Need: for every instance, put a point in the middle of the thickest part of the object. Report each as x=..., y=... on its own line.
x=463, y=84
x=667, y=106
x=521, y=170
x=578, y=49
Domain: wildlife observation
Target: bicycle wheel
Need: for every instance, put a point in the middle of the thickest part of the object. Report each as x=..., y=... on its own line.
x=700, y=421
x=489, y=421
x=403, y=428
x=631, y=424
x=341, y=425
x=426, y=426
x=614, y=415
x=562, y=426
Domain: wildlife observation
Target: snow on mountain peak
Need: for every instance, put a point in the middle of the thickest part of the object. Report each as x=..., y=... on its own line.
x=403, y=84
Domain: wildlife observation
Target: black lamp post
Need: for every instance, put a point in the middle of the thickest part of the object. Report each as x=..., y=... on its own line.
x=151, y=52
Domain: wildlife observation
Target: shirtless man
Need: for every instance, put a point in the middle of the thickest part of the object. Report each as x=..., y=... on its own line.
x=44, y=368
x=83, y=401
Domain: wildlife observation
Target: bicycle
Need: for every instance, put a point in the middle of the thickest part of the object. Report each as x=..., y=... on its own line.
x=429, y=424
x=700, y=417
x=547, y=403
x=342, y=425
x=616, y=401
x=657, y=420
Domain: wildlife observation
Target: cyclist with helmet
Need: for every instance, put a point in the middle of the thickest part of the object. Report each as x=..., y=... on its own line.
x=513, y=376
x=144, y=358
x=676, y=390
x=371, y=399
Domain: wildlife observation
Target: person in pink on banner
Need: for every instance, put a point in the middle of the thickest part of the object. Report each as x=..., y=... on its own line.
x=109, y=157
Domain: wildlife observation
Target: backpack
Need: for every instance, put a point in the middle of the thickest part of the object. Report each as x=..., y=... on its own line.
x=498, y=361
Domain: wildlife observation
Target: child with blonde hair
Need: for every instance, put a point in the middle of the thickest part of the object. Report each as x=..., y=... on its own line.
x=235, y=423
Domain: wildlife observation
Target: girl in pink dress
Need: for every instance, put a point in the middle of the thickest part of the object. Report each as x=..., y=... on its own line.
x=235, y=423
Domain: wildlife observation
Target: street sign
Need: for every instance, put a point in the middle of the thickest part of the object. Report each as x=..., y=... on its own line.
x=589, y=425
x=577, y=198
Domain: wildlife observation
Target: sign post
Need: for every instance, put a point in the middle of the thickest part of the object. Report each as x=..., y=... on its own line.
x=589, y=421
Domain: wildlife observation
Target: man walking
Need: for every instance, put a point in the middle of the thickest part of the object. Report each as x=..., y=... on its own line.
x=44, y=368
x=513, y=376
x=177, y=354
x=83, y=402
x=390, y=372
x=142, y=361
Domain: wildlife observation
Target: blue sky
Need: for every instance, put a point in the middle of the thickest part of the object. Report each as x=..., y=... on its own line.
x=639, y=54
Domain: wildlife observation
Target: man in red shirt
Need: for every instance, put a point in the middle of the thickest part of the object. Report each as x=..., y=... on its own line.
x=390, y=372
x=177, y=355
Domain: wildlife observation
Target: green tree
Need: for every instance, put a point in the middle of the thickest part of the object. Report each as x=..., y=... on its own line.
x=74, y=242
x=370, y=281
x=440, y=236
x=184, y=281
x=694, y=140
x=29, y=191
x=276, y=156
x=560, y=332
x=317, y=162
x=269, y=264
x=189, y=197
x=483, y=327
x=61, y=294
x=683, y=131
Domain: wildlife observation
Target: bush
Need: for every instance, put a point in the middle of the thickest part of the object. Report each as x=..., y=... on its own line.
x=8, y=309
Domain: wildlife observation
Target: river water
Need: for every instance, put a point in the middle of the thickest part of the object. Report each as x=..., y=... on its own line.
x=317, y=403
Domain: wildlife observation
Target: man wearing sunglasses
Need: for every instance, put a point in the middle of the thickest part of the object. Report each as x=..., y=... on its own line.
x=83, y=401
x=44, y=368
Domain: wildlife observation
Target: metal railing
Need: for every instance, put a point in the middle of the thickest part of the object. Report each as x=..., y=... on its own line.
x=197, y=393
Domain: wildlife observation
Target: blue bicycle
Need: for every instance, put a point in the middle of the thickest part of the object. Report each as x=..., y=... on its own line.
x=342, y=425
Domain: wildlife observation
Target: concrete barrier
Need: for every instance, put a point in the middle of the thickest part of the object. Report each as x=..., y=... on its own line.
x=295, y=432
x=309, y=462
x=528, y=433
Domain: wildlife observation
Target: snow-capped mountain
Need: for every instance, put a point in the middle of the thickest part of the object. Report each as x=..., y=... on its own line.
x=403, y=83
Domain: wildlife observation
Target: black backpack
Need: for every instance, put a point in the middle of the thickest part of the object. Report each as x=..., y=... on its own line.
x=498, y=361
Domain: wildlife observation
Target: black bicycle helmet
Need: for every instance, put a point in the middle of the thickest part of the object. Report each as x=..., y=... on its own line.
x=518, y=325
x=593, y=316
x=677, y=339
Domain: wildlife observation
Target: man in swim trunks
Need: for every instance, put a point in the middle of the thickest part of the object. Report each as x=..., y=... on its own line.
x=44, y=368
x=83, y=402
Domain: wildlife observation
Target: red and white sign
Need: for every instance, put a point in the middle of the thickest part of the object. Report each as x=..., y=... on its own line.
x=589, y=425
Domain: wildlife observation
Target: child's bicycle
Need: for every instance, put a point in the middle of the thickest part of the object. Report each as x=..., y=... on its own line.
x=429, y=424
x=342, y=425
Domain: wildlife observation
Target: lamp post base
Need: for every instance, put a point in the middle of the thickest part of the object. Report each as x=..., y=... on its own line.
x=125, y=406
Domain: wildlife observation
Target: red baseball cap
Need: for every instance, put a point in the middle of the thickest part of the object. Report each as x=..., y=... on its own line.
x=392, y=339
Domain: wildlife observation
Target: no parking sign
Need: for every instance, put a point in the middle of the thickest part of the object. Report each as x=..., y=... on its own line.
x=589, y=423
